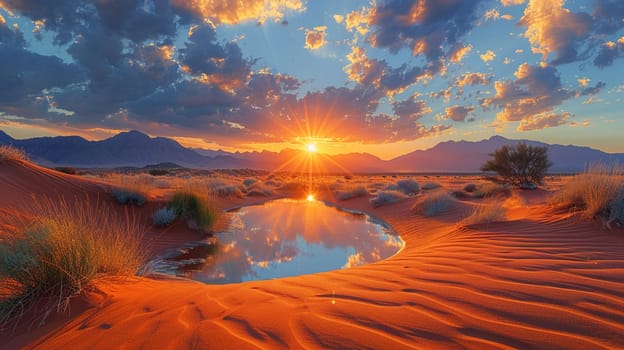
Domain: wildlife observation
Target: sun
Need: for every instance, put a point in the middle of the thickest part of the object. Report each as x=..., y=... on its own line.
x=311, y=148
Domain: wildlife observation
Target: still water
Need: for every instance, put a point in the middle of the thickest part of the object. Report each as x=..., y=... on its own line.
x=285, y=237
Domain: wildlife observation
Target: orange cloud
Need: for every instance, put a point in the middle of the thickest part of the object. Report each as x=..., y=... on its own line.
x=237, y=11
x=551, y=28
x=472, y=79
x=338, y=18
x=489, y=55
x=512, y=2
x=459, y=54
x=358, y=21
x=315, y=38
x=543, y=121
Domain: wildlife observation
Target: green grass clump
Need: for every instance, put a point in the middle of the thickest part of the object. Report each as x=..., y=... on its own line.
x=198, y=208
x=56, y=253
x=8, y=152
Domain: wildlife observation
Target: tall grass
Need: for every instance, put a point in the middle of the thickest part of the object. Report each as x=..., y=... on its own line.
x=131, y=190
x=596, y=193
x=351, y=191
x=386, y=197
x=197, y=205
x=54, y=254
x=8, y=152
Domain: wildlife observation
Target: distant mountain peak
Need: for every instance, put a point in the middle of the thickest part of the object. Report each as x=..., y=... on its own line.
x=131, y=134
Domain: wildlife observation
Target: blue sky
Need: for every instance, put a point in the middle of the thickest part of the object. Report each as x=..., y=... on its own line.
x=383, y=77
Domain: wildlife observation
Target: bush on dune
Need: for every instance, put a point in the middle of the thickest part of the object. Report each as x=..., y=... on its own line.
x=350, y=192
x=61, y=248
x=435, y=203
x=131, y=190
x=405, y=186
x=386, y=197
x=599, y=192
x=8, y=152
x=486, y=213
x=163, y=217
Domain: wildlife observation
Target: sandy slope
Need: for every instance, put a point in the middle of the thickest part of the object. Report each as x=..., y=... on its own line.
x=543, y=280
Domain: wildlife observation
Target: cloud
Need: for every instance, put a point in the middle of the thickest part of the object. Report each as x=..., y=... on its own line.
x=543, y=121
x=411, y=108
x=315, y=38
x=457, y=113
x=458, y=54
x=551, y=28
x=491, y=14
x=237, y=11
x=512, y=2
x=592, y=90
x=536, y=90
x=489, y=55
x=609, y=52
x=472, y=79
x=583, y=124
x=338, y=18
x=431, y=28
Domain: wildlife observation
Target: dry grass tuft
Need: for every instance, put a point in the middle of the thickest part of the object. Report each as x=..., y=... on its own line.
x=599, y=192
x=487, y=212
x=53, y=256
x=351, y=191
x=435, y=203
x=387, y=197
x=8, y=152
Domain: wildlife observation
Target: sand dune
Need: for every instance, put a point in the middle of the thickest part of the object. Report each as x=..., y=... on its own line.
x=542, y=280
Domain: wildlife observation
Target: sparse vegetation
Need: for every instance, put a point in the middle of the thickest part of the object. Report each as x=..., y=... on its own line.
x=386, y=197
x=470, y=187
x=435, y=203
x=225, y=188
x=196, y=206
x=405, y=186
x=131, y=190
x=519, y=165
x=486, y=213
x=66, y=169
x=486, y=190
x=163, y=217
x=350, y=192
x=55, y=255
x=8, y=152
x=431, y=186
x=158, y=172
x=599, y=192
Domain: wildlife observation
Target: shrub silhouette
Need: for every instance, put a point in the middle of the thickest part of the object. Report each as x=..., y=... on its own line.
x=519, y=165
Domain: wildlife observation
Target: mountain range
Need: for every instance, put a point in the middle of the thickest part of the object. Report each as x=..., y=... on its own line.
x=137, y=149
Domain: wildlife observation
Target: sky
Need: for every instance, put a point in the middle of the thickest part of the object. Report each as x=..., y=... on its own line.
x=383, y=77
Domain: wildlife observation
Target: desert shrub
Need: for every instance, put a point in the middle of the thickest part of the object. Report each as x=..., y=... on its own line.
x=249, y=182
x=435, y=203
x=52, y=257
x=66, y=169
x=158, y=172
x=597, y=192
x=486, y=213
x=519, y=164
x=224, y=188
x=486, y=190
x=128, y=196
x=470, y=187
x=258, y=189
x=386, y=197
x=271, y=183
x=616, y=208
x=405, y=186
x=431, y=186
x=352, y=192
x=163, y=217
x=8, y=152
x=197, y=207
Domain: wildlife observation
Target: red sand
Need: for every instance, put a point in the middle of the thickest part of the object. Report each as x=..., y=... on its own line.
x=542, y=280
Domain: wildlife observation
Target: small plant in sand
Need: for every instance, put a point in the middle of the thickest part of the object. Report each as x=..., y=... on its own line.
x=164, y=217
x=597, y=193
x=227, y=188
x=8, y=152
x=431, y=186
x=131, y=190
x=386, y=197
x=519, y=165
x=488, y=189
x=405, y=186
x=56, y=253
x=487, y=212
x=435, y=203
x=353, y=191
x=197, y=206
